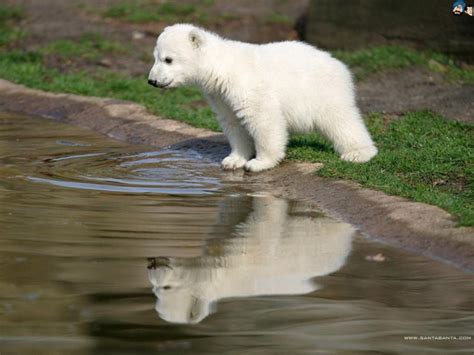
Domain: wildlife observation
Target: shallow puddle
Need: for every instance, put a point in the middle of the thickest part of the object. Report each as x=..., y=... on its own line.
x=107, y=248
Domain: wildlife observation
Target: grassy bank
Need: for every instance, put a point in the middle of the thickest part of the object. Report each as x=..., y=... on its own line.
x=368, y=61
x=8, y=17
x=183, y=104
x=90, y=45
x=149, y=11
x=423, y=156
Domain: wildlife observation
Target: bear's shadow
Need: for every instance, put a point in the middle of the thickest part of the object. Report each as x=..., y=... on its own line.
x=213, y=149
x=216, y=148
x=310, y=141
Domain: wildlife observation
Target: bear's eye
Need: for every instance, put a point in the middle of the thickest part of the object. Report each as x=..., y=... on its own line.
x=168, y=60
x=166, y=287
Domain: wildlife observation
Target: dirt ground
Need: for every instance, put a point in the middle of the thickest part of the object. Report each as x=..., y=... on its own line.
x=393, y=92
x=398, y=91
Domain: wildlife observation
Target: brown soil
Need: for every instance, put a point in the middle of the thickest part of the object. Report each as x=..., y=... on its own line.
x=394, y=92
x=50, y=20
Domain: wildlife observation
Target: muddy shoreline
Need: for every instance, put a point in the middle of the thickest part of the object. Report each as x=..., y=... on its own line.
x=412, y=226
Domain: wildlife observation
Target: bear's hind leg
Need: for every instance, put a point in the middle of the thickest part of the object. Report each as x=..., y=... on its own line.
x=351, y=139
x=360, y=155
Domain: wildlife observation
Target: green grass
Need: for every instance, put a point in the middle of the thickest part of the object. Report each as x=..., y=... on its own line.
x=89, y=46
x=423, y=157
x=10, y=13
x=278, y=19
x=8, y=16
x=376, y=59
x=28, y=69
x=147, y=11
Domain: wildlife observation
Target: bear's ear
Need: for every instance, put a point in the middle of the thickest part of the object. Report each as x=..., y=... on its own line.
x=196, y=37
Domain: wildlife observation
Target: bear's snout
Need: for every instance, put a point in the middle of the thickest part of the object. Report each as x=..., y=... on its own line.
x=156, y=84
x=153, y=83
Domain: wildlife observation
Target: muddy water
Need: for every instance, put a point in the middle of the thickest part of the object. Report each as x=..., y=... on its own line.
x=112, y=249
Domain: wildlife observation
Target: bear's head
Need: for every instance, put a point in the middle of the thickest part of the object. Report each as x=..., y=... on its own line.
x=180, y=291
x=176, y=54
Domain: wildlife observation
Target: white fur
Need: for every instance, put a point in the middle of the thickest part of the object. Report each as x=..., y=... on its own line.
x=270, y=253
x=262, y=93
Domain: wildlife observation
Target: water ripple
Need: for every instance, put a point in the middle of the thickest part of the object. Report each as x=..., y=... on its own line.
x=150, y=172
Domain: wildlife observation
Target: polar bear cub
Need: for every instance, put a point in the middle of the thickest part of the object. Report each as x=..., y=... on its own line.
x=262, y=93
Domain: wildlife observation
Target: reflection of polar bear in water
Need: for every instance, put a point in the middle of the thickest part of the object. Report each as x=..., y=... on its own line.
x=271, y=253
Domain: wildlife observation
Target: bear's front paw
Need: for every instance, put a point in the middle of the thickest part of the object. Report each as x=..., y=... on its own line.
x=256, y=165
x=233, y=162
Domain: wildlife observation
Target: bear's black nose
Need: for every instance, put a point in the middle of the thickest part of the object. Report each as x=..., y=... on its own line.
x=152, y=82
